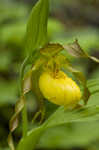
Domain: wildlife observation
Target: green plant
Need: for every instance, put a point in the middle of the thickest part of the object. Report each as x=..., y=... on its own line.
x=41, y=56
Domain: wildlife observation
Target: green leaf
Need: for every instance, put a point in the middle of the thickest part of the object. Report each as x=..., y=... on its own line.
x=69, y=136
x=93, y=85
x=80, y=115
x=36, y=35
x=84, y=114
x=30, y=141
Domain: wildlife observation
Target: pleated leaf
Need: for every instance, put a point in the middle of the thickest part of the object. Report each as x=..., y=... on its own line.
x=61, y=116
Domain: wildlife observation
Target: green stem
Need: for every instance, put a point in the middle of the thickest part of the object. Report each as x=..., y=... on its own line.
x=24, y=120
x=22, y=71
x=24, y=111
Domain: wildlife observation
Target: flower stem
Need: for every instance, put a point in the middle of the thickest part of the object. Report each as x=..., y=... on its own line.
x=24, y=120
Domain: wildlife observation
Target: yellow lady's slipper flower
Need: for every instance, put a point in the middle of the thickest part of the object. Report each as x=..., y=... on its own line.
x=59, y=89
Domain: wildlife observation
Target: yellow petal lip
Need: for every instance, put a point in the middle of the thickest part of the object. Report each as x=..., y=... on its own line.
x=59, y=89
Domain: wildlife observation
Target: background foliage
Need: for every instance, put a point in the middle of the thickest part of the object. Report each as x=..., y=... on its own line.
x=68, y=20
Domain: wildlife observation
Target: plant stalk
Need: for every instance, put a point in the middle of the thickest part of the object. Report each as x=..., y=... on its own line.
x=24, y=120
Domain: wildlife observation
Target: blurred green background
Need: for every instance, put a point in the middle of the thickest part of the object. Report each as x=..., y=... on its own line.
x=69, y=19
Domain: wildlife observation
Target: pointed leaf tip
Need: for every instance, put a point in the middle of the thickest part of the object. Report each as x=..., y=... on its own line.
x=36, y=35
